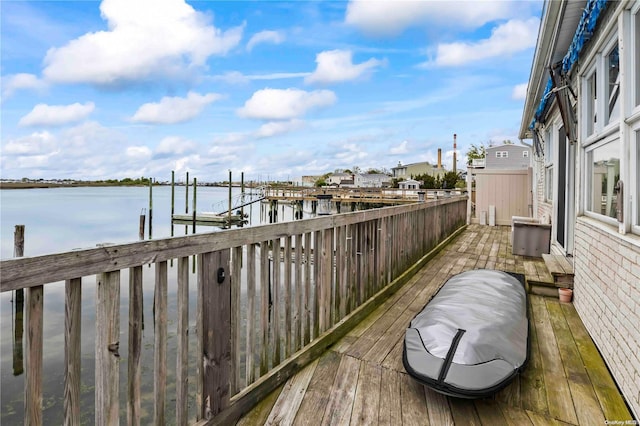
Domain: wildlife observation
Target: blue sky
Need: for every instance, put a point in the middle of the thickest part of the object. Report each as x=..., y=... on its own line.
x=120, y=88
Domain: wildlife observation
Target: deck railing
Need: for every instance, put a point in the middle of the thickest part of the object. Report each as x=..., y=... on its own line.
x=269, y=300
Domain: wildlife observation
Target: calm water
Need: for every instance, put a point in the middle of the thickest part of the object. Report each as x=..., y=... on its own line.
x=61, y=219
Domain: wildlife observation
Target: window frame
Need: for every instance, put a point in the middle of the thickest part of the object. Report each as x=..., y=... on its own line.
x=635, y=64
x=588, y=176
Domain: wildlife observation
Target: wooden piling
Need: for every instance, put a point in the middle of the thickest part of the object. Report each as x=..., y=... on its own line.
x=173, y=197
x=18, y=251
x=150, y=208
x=229, y=198
x=195, y=185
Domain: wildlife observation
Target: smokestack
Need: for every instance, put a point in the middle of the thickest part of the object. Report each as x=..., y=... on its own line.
x=454, y=153
x=439, y=158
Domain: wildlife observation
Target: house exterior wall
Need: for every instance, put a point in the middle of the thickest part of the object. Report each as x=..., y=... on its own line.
x=514, y=159
x=415, y=169
x=607, y=297
x=371, y=180
x=606, y=250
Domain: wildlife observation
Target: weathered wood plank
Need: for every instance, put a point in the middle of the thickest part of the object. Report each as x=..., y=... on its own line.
x=414, y=407
x=236, y=318
x=160, y=343
x=464, y=412
x=250, y=347
x=72, y=326
x=489, y=412
x=265, y=308
x=259, y=414
x=558, y=394
x=182, y=332
x=367, y=397
x=341, y=397
x=34, y=317
x=276, y=320
x=438, y=407
x=299, y=295
x=532, y=382
x=390, y=409
x=135, y=345
x=613, y=406
x=287, y=297
x=514, y=416
x=107, y=343
x=317, y=394
x=584, y=399
x=307, y=307
x=215, y=282
x=286, y=407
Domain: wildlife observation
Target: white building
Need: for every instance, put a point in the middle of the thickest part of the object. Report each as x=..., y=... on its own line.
x=585, y=127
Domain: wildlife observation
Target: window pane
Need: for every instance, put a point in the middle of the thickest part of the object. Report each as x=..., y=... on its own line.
x=637, y=49
x=603, y=171
x=548, y=178
x=613, y=88
x=592, y=99
x=636, y=172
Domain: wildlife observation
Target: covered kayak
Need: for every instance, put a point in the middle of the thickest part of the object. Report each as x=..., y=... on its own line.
x=472, y=338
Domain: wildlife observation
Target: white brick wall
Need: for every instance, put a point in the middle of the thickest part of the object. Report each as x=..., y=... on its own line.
x=607, y=297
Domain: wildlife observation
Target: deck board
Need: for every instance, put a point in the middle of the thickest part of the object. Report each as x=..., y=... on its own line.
x=361, y=379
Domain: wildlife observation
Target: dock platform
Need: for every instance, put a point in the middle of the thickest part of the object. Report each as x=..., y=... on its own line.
x=361, y=380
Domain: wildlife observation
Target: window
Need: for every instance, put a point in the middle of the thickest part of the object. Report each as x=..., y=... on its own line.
x=502, y=154
x=603, y=172
x=636, y=48
x=591, y=117
x=635, y=174
x=612, y=94
x=548, y=166
x=525, y=154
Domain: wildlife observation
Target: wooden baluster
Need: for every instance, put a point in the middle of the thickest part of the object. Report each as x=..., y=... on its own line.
x=160, y=343
x=182, y=361
x=135, y=345
x=72, y=325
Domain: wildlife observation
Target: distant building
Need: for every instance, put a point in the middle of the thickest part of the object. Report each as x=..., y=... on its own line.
x=309, y=180
x=409, y=184
x=508, y=157
x=406, y=171
x=337, y=178
x=373, y=180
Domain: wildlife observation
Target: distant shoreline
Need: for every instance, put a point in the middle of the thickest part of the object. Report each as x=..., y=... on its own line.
x=79, y=184
x=36, y=185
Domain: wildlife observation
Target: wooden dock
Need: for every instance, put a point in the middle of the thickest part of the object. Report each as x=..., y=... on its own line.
x=361, y=380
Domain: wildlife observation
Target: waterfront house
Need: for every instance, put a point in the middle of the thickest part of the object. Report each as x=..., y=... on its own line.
x=508, y=156
x=407, y=171
x=372, y=180
x=582, y=113
x=409, y=184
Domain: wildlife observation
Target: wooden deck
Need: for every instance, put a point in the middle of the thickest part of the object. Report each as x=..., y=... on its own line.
x=361, y=381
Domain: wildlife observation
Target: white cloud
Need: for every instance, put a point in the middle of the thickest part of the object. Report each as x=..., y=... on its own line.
x=285, y=104
x=138, y=152
x=13, y=83
x=172, y=110
x=351, y=154
x=508, y=38
x=56, y=115
x=236, y=77
x=390, y=17
x=274, y=128
x=520, y=92
x=175, y=145
x=34, y=144
x=337, y=65
x=274, y=37
x=403, y=148
x=145, y=38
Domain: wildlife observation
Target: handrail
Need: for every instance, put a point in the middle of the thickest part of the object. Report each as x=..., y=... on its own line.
x=270, y=298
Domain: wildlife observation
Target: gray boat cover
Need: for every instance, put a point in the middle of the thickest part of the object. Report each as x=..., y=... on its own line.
x=472, y=338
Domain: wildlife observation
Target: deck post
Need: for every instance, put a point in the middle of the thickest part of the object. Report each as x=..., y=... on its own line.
x=214, y=332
